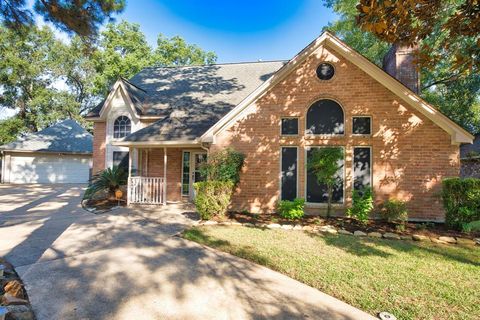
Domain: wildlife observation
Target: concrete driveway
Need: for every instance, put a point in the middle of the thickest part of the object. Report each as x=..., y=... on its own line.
x=128, y=264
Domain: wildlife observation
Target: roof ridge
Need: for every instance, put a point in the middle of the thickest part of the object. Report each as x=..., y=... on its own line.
x=214, y=64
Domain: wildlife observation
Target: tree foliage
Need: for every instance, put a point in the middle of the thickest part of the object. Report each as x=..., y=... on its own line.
x=441, y=27
x=45, y=79
x=324, y=164
x=455, y=93
x=80, y=17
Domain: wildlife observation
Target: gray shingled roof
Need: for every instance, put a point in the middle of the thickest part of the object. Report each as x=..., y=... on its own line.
x=473, y=149
x=191, y=99
x=65, y=137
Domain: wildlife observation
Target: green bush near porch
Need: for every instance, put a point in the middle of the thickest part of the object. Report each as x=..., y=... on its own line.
x=292, y=209
x=212, y=197
x=461, y=199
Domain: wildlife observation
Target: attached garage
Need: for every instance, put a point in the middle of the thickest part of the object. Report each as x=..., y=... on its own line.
x=61, y=153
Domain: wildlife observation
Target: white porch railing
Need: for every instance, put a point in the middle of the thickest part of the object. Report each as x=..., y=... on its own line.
x=146, y=190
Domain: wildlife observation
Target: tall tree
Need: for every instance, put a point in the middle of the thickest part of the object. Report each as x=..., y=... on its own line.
x=123, y=51
x=28, y=83
x=176, y=51
x=455, y=93
x=441, y=27
x=80, y=17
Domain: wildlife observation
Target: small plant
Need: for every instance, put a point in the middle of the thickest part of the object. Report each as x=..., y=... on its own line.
x=425, y=225
x=362, y=205
x=292, y=209
x=108, y=180
x=400, y=227
x=470, y=227
x=395, y=211
x=324, y=163
x=213, y=198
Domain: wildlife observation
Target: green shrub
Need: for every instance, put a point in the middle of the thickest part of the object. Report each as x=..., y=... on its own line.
x=362, y=204
x=212, y=197
x=461, y=200
x=394, y=211
x=108, y=180
x=224, y=165
x=473, y=226
x=291, y=209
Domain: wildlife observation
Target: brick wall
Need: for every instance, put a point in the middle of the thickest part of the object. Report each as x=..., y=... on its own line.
x=99, y=136
x=410, y=154
x=399, y=62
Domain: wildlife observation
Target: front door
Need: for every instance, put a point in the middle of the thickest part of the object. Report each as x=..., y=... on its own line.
x=196, y=161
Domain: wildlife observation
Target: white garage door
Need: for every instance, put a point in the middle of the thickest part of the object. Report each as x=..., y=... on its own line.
x=49, y=169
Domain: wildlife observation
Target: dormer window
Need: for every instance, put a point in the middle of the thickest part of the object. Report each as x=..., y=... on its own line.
x=122, y=127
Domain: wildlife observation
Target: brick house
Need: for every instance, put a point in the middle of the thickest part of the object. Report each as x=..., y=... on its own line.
x=163, y=122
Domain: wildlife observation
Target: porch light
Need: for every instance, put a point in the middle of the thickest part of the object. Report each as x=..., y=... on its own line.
x=3, y=312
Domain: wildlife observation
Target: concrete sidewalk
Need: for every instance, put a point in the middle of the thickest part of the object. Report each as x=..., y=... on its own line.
x=130, y=265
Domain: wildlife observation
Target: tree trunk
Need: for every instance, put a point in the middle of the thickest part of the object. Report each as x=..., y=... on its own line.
x=329, y=200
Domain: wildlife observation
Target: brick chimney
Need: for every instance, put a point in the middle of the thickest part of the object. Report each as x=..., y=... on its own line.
x=399, y=63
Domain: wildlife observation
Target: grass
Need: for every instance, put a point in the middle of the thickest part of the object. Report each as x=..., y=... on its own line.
x=412, y=280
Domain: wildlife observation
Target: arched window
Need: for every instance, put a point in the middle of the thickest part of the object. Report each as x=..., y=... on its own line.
x=121, y=127
x=325, y=117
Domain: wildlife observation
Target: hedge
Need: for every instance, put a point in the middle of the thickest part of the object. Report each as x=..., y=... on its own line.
x=212, y=197
x=461, y=199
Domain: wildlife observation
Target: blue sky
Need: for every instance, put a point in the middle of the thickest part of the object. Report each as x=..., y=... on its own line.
x=245, y=30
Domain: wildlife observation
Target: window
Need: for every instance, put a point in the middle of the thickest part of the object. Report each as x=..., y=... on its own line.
x=289, y=173
x=362, y=125
x=121, y=159
x=317, y=193
x=362, y=167
x=121, y=127
x=289, y=126
x=325, y=117
x=186, y=173
x=325, y=71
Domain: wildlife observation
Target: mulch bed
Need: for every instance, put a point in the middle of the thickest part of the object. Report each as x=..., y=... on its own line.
x=104, y=204
x=428, y=229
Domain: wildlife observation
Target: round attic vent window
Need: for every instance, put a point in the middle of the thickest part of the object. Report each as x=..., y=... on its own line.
x=325, y=71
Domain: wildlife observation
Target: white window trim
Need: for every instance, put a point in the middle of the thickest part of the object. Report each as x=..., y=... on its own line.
x=181, y=176
x=298, y=170
x=324, y=205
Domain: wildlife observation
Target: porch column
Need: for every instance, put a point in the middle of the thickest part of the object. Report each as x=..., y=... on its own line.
x=165, y=175
x=130, y=160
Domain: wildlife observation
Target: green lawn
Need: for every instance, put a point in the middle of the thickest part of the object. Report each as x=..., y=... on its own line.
x=409, y=279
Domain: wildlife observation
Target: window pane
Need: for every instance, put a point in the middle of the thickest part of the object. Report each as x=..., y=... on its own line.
x=362, y=125
x=289, y=173
x=317, y=193
x=325, y=71
x=362, y=170
x=121, y=127
x=186, y=173
x=290, y=126
x=325, y=117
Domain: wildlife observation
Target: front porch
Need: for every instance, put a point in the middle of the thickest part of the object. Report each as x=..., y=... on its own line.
x=163, y=174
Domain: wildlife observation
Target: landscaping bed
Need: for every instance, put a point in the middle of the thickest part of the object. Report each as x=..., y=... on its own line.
x=13, y=296
x=412, y=280
x=427, y=229
x=102, y=205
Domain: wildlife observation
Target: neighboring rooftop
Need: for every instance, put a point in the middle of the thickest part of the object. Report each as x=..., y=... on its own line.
x=471, y=151
x=64, y=137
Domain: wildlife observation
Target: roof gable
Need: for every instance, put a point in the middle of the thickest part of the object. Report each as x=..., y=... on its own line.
x=457, y=133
